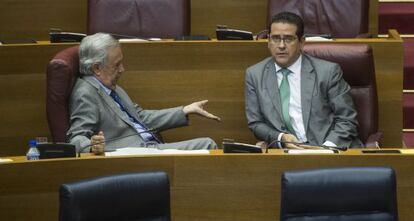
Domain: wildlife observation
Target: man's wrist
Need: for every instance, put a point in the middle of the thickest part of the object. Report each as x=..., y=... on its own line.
x=185, y=110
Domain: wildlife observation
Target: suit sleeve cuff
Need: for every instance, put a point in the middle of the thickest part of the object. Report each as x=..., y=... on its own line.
x=279, y=138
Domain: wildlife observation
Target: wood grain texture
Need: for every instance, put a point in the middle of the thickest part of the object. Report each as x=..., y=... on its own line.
x=204, y=187
x=33, y=18
x=21, y=19
x=165, y=74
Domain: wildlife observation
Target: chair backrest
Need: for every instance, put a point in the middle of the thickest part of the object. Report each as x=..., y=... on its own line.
x=346, y=194
x=62, y=72
x=135, y=196
x=357, y=63
x=140, y=18
x=339, y=18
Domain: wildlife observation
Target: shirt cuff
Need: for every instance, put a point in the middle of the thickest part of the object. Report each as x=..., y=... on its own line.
x=329, y=144
x=279, y=138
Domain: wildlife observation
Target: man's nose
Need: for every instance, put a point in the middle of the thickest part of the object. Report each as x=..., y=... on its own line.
x=281, y=43
x=121, y=68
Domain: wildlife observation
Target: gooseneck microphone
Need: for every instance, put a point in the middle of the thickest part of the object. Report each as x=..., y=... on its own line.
x=302, y=144
x=81, y=149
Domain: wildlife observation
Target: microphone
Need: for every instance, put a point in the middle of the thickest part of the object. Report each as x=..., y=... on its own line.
x=302, y=144
x=81, y=149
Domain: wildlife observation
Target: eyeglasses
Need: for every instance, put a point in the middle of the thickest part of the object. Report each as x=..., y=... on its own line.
x=287, y=39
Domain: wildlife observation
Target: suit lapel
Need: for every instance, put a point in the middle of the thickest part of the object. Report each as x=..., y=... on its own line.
x=108, y=100
x=272, y=88
x=307, y=87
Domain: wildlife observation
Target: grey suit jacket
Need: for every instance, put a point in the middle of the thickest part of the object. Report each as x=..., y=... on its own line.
x=327, y=108
x=92, y=110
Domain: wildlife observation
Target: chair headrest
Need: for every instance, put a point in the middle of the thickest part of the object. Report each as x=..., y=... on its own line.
x=356, y=60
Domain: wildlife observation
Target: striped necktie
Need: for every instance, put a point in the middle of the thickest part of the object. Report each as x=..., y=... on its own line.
x=148, y=136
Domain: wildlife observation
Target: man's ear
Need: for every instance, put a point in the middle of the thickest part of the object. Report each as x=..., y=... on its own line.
x=302, y=42
x=96, y=68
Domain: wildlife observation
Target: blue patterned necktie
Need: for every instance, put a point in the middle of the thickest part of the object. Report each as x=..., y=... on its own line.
x=284, y=90
x=148, y=136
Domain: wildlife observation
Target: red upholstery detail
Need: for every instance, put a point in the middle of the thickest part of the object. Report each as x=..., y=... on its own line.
x=339, y=18
x=409, y=139
x=409, y=63
x=140, y=18
x=396, y=15
x=61, y=75
x=408, y=110
x=357, y=63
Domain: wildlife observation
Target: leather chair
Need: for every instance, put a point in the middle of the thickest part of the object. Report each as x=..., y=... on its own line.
x=62, y=72
x=337, y=18
x=140, y=18
x=135, y=196
x=357, y=63
x=345, y=194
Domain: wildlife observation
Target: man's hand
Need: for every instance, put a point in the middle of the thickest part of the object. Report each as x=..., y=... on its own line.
x=197, y=108
x=98, y=143
x=289, y=140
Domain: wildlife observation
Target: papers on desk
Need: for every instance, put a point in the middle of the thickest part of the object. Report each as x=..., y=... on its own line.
x=138, y=39
x=317, y=38
x=5, y=160
x=151, y=151
x=310, y=151
x=407, y=151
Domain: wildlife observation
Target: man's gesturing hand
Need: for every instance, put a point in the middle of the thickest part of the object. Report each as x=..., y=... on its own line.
x=197, y=108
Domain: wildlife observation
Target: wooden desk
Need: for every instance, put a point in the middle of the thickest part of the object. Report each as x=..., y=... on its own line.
x=165, y=74
x=203, y=187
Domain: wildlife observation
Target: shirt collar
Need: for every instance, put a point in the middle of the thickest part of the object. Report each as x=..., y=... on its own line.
x=295, y=67
x=107, y=90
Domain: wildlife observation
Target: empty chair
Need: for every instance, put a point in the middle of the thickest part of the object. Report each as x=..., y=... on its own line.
x=357, y=63
x=140, y=18
x=337, y=18
x=62, y=72
x=135, y=196
x=342, y=194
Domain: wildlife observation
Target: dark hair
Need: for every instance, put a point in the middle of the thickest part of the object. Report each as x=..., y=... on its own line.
x=289, y=18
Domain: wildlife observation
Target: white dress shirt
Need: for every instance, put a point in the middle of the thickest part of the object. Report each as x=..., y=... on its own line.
x=295, y=106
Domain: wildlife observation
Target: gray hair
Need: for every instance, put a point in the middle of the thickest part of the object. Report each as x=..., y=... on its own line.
x=94, y=50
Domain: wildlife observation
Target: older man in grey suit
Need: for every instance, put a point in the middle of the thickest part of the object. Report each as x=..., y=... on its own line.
x=293, y=98
x=101, y=109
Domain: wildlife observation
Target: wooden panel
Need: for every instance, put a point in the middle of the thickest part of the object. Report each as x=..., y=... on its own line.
x=34, y=18
x=23, y=95
x=165, y=74
x=205, y=187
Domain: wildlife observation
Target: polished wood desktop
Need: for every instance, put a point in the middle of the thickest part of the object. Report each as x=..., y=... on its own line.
x=32, y=19
x=172, y=73
x=221, y=187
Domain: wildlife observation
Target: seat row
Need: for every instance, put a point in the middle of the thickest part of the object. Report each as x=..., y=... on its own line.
x=171, y=19
x=356, y=60
x=352, y=193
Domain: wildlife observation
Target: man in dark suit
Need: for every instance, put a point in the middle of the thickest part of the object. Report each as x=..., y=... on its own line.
x=100, y=108
x=294, y=98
